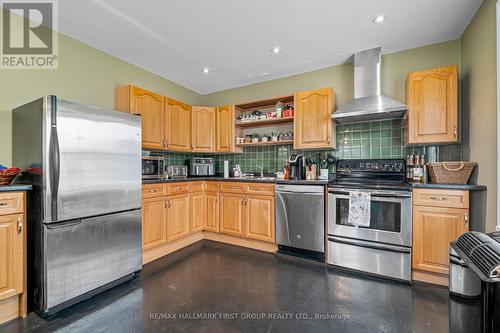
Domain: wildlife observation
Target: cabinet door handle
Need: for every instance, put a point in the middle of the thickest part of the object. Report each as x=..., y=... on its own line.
x=3, y=204
x=19, y=225
x=466, y=217
x=455, y=131
x=437, y=198
x=152, y=191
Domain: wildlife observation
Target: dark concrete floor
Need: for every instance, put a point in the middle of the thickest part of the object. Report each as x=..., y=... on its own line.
x=232, y=284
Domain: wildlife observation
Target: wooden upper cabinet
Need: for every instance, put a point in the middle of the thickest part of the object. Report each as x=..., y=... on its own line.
x=11, y=256
x=203, y=129
x=259, y=218
x=154, y=220
x=313, y=126
x=177, y=125
x=225, y=128
x=433, y=230
x=178, y=216
x=150, y=107
x=432, y=97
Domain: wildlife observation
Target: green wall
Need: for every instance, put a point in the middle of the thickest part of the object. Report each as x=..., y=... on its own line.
x=479, y=100
x=85, y=74
x=395, y=67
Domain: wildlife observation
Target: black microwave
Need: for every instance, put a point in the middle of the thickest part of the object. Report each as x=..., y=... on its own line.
x=153, y=167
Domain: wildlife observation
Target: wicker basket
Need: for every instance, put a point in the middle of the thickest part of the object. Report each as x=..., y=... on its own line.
x=6, y=177
x=450, y=172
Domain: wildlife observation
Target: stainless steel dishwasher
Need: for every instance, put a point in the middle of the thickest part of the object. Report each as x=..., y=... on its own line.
x=300, y=220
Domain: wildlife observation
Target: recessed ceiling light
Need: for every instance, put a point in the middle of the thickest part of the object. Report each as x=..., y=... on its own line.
x=206, y=70
x=264, y=73
x=379, y=19
x=276, y=50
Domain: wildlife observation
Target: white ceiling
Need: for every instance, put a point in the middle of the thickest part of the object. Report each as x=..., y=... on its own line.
x=176, y=39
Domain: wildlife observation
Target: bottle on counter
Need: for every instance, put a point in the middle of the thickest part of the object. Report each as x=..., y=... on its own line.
x=409, y=167
x=419, y=169
x=236, y=171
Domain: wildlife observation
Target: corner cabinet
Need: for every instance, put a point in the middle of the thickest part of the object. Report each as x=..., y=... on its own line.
x=225, y=128
x=151, y=108
x=313, y=125
x=178, y=125
x=203, y=129
x=432, y=98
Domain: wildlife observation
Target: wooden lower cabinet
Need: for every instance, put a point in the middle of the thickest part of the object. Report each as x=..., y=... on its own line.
x=232, y=214
x=154, y=216
x=12, y=256
x=433, y=230
x=178, y=216
x=259, y=218
x=212, y=212
x=175, y=214
x=198, y=206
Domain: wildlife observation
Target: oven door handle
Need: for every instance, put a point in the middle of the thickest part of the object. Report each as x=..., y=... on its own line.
x=384, y=194
x=370, y=245
x=374, y=198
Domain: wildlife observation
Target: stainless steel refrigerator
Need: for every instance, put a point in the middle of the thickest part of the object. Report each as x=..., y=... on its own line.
x=84, y=213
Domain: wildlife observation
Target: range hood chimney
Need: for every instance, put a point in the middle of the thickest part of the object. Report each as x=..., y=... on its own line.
x=368, y=103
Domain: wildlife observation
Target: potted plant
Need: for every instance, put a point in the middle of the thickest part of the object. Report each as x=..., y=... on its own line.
x=274, y=136
x=255, y=137
x=265, y=137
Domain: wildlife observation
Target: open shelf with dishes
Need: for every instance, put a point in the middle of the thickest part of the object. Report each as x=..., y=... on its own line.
x=261, y=123
x=265, y=143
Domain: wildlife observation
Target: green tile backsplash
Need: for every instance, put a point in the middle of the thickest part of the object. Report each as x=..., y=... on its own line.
x=371, y=140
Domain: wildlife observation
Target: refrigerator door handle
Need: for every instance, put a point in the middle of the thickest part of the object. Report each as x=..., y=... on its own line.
x=63, y=225
x=54, y=159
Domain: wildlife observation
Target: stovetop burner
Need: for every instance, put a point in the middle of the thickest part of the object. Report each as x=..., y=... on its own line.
x=371, y=174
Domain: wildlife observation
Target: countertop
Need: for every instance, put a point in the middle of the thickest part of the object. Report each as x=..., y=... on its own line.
x=272, y=180
x=465, y=187
x=13, y=188
x=246, y=180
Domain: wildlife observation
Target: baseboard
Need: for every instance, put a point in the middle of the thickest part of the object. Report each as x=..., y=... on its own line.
x=9, y=308
x=243, y=242
x=429, y=277
x=163, y=250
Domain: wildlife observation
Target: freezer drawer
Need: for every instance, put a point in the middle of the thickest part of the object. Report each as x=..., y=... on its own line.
x=386, y=260
x=83, y=255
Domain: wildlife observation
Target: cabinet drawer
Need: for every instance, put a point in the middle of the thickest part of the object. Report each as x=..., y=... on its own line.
x=11, y=203
x=198, y=186
x=441, y=198
x=177, y=188
x=260, y=188
x=153, y=190
x=232, y=187
x=212, y=187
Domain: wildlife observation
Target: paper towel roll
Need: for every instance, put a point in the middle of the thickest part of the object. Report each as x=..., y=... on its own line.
x=226, y=169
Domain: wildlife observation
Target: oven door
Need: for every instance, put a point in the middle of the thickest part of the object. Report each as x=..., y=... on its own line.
x=390, y=217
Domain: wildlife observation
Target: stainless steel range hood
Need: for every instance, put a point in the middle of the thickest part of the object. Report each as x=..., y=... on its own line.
x=368, y=103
